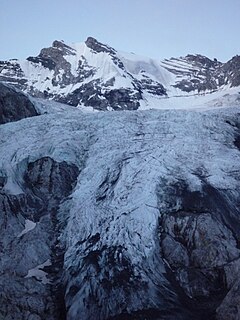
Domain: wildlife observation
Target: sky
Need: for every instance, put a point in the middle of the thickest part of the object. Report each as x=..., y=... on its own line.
x=155, y=28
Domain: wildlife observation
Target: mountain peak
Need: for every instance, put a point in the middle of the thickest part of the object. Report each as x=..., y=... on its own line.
x=97, y=46
x=58, y=44
x=93, y=74
x=202, y=60
x=61, y=45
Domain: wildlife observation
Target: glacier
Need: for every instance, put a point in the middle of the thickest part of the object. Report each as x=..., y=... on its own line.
x=135, y=214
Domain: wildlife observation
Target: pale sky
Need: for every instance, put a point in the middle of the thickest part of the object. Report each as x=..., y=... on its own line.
x=155, y=28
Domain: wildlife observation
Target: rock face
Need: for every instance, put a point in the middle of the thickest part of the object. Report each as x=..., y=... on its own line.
x=197, y=73
x=74, y=75
x=127, y=215
x=98, y=47
x=14, y=105
x=93, y=74
x=117, y=99
x=198, y=247
x=232, y=71
x=29, y=259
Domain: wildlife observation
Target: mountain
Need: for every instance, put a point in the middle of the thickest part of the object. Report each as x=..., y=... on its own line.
x=119, y=215
x=92, y=74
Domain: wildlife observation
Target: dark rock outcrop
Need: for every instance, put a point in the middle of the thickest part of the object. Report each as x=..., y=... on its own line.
x=30, y=258
x=98, y=46
x=200, y=242
x=232, y=71
x=205, y=74
x=14, y=105
x=96, y=95
x=45, y=62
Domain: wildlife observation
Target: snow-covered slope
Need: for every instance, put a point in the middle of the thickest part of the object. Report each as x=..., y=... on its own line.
x=129, y=215
x=91, y=74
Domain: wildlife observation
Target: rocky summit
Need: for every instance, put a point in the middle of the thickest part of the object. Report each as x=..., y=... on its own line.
x=129, y=215
x=95, y=75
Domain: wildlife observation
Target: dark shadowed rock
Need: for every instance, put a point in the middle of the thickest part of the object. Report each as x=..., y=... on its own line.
x=202, y=61
x=203, y=74
x=232, y=71
x=202, y=250
x=230, y=307
x=45, y=62
x=27, y=293
x=98, y=46
x=14, y=105
x=92, y=94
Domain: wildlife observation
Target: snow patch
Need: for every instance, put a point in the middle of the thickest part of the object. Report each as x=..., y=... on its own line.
x=38, y=273
x=29, y=225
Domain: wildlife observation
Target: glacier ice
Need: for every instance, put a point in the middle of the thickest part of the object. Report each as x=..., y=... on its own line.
x=127, y=206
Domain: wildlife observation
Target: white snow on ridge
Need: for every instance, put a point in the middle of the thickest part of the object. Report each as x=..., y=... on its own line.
x=104, y=66
x=102, y=61
x=40, y=77
x=136, y=64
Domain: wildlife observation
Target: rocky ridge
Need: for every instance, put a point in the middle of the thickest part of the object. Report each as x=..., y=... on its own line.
x=95, y=75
